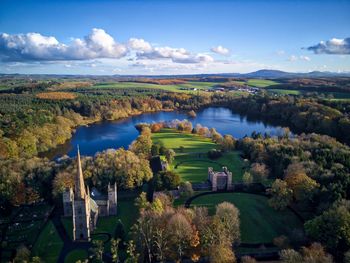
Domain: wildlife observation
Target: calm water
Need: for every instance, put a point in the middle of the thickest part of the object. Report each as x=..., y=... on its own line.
x=114, y=134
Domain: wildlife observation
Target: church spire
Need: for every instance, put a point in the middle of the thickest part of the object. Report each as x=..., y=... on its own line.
x=79, y=180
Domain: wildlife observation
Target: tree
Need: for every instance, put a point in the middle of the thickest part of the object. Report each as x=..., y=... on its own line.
x=97, y=250
x=221, y=253
x=167, y=180
x=247, y=178
x=259, y=172
x=302, y=185
x=170, y=155
x=228, y=143
x=180, y=230
x=332, y=227
x=312, y=254
x=226, y=223
x=22, y=254
x=281, y=195
x=143, y=144
x=155, y=149
x=141, y=202
x=115, y=249
x=290, y=256
x=186, y=189
x=133, y=256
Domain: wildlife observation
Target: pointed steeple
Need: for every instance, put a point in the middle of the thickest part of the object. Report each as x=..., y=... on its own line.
x=79, y=180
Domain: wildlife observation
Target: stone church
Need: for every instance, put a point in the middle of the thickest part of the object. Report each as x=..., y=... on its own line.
x=85, y=208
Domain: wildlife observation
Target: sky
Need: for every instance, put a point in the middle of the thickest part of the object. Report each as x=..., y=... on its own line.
x=173, y=37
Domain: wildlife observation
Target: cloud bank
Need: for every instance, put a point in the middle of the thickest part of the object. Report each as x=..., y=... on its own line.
x=34, y=47
x=335, y=46
x=97, y=45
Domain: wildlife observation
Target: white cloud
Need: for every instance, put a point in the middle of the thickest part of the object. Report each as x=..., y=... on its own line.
x=333, y=46
x=139, y=44
x=34, y=47
x=306, y=58
x=220, y=50
x=293, y=58
x=177, y=55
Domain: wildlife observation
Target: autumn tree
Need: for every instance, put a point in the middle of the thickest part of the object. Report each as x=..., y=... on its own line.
x=259, y=171
x=221, y=253
x=170, y=155
x=302, y=185
x=228, y=143
x=281, y=195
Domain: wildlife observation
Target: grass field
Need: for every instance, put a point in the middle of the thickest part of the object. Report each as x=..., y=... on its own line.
x=261, y=83
x=259, y=222
x=76, y=255
x=193, y=168
x=191, y=143
x=186, y=87
x=285, y=91
x=335, y=95
x=192, y=163
x=48, y=245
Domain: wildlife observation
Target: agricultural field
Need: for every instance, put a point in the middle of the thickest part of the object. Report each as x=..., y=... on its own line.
x=261, y=83
x=188, y=87
x=259, y=222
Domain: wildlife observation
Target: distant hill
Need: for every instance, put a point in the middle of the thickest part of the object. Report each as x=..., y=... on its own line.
x=262, y=74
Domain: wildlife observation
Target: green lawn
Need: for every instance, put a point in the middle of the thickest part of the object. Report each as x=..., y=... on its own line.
x=261, y=83
x=191, y=143
x=48, y=246
x=76, y=255
x=193, y=168
x=259, y=222
x=192, y=163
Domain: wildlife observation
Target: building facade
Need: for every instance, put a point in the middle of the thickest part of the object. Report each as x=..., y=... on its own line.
x=85, y=208
x=220, y=181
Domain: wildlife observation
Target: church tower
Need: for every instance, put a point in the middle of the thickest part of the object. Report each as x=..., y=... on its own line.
x=81, y=207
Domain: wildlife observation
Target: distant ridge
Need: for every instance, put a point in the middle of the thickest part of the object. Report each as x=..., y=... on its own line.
x=263, y=73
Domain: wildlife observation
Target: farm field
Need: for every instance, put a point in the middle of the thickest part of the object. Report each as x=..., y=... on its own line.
x=335, y=95
x=259, y=222
x=261, y=83
x=186, y=87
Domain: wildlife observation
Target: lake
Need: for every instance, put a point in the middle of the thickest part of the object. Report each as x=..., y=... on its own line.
x=114, y=134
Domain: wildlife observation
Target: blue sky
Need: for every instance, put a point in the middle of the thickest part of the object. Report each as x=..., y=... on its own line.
x=173, y=37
